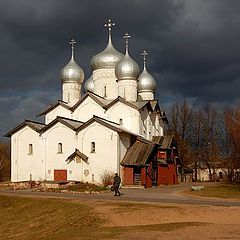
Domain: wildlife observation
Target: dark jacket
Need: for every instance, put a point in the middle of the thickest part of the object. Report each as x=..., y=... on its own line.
x=116, y=181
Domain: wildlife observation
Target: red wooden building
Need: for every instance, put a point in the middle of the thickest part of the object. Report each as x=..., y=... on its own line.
x=150, y=164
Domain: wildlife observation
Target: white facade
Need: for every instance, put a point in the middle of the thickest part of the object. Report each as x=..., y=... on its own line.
x=105, y=84
x=99, y=127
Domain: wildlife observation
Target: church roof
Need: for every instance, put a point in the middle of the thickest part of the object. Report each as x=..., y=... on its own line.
x=109, y=124
x=78, y=126
x=165, y=141
x=120, y=99
x=77, y=153
x=98, y=99
x=36, y=126
x=52, y=106
x=73, y=124
x=139, y=153
x=104, y=103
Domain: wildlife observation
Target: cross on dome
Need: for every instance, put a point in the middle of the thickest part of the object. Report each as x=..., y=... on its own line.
x=126, y=37
x=72, y=42
x=109, y=25
x=144, y=54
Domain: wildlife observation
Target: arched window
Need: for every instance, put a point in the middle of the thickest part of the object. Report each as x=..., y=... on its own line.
x=30, y=149
x=120, y=121
x=92, y=147
x=60, y=150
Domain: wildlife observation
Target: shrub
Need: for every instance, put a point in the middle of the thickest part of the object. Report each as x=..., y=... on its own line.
x=106, y=178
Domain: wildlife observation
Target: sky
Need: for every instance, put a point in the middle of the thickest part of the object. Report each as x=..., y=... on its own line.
x=193, y=46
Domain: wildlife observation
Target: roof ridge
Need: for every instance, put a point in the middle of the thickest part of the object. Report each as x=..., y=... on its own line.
x=27, y=120
x=94, y=116
x=74, y=120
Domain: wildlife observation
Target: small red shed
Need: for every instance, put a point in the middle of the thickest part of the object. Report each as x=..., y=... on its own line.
x=150, y=163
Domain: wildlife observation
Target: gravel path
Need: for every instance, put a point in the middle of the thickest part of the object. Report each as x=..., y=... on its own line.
x=162, y=194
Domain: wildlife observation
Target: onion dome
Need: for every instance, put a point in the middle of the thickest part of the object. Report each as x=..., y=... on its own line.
x=72, y=72
x=127, y=68
x=146, y=83
x=89, y=85
x=109, y=57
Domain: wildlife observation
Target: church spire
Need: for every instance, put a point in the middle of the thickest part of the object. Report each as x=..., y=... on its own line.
x=144, y=54
x=109, y=25
x=126, y=37
x=72, y=42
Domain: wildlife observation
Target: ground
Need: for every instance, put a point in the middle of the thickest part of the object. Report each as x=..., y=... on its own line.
x=108, y=217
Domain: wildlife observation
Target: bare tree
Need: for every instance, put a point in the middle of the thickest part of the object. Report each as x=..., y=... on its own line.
x=211, y=140
x=4, y=162
x=180, y=119
x=232, y=143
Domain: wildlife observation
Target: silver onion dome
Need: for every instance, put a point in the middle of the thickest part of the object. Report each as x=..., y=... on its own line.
x=109, y=57
x=127, y=68
x=89, y=85
x=72, y=72
x=146, y=82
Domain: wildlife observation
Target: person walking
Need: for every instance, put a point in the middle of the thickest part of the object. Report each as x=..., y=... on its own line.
x=116, y=184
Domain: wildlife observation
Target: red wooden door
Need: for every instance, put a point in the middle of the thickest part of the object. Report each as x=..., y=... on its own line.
x=60, y=175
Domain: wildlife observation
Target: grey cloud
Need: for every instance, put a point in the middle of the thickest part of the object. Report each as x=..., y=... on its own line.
x=193, y=47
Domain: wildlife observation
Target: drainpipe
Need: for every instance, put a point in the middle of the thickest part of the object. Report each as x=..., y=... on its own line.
x=17, y=156
x=118, y=154
x=45, y=160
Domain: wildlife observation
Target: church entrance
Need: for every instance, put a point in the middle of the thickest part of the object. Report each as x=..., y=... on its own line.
x=137, y=176
x=60, y=175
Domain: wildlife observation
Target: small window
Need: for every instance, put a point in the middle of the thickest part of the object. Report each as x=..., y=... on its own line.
x=105, y=91
x=60, y=148
x=92, y=147
x=120, y=121
x=30, y=149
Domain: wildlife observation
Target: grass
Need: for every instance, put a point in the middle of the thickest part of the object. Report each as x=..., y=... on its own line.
x=164, y=227
x=130, y=207
x=24, y=218
x=58, y=219
x=219, y=191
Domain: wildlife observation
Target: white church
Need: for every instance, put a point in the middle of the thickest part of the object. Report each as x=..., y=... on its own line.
x=109, y=129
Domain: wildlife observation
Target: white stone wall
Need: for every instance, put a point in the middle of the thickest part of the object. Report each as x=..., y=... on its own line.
x=127, y=89
x=45, y=158
x=143, y=121
x=71, y=93
x=58, y=111
x=59, y=133
x=150, y=124
x=24, y=165
x=145, y=95
x=87, y=109
x=129, y=116
x=105, y=156
x=105, y=78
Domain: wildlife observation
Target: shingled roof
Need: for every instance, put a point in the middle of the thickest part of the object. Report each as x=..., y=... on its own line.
x=165, y=141
x=79, y=154
x=36, y=126
x=139, y=153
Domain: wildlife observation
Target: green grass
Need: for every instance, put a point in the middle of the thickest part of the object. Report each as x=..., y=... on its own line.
x=219, y=191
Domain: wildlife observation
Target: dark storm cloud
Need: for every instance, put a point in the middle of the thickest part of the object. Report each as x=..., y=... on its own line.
x=193, y=48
